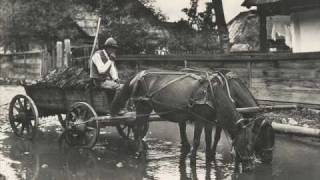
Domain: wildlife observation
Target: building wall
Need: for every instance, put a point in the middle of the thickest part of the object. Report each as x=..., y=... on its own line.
x=306, y=26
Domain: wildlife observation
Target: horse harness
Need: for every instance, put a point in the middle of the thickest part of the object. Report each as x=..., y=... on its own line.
x=199, y=96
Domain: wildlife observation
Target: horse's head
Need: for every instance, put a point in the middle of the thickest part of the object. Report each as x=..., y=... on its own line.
x=243, y=144
x=263, y=139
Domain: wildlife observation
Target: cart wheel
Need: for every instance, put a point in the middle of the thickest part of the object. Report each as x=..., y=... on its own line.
x=126, y=131
x=80, y=130
x=23, y=116
x=62, y=121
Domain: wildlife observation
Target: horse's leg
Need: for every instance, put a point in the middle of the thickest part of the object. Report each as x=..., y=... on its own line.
x=183, y=136
x=196, y=141
x=217, y=136
x=143, y=110
x=208, y=138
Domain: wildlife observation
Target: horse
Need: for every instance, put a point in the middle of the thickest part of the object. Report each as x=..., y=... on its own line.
x=241, y=96
x=184, y=96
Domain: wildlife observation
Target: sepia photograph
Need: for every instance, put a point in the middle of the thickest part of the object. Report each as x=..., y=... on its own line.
x=159, y=89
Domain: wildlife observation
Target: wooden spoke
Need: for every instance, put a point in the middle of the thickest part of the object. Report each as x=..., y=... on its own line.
x=22, y=128
x=19, y=123
x=20, y=103
x=25, y=102
x=62, y=121
x=28, y=126
x=126, y=131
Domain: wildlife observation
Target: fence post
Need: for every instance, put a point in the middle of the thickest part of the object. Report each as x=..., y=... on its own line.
x=25, y=66
x=59, y=54
x=67, y=52
x=249, y=68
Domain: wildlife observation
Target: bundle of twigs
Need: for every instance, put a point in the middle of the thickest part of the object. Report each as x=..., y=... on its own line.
x=71, y=77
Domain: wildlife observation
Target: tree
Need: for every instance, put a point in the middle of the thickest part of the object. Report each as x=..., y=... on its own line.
x=131, y=22
x=34, y=20
x=221, y=25
x=205, y=25
x=46, y=21
x=205, y=38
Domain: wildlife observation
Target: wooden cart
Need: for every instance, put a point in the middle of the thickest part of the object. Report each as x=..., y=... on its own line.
x=86, y=110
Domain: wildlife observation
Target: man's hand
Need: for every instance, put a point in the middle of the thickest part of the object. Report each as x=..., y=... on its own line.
x=117, y=81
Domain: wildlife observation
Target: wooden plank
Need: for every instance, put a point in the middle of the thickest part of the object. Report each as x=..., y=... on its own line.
x=278, y=83
x=59, y=54
x=285, y=73
x=67, y=52
x=249, y=68
x=283, y=95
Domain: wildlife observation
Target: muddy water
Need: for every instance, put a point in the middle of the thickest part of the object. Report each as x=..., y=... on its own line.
x=48, y=157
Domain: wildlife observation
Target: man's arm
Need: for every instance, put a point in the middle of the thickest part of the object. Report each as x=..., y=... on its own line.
x=101, y=67
x=114, y=72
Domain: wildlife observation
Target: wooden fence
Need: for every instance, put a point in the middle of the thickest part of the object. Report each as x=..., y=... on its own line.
x=26, y=65
x=282, y=77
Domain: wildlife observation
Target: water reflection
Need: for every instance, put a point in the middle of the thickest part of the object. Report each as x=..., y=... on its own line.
x=113, y=158
x=215, y=170
x=54, y=159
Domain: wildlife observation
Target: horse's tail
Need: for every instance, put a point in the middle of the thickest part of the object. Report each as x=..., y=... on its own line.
x=121, y=97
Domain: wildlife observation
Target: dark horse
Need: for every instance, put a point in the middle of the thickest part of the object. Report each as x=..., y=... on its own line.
x=263, y=134
x=184, y=96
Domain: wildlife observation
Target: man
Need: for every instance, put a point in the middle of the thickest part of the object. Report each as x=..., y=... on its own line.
x=103, y=71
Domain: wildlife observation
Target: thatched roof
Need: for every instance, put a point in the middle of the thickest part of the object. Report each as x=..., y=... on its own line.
x=88, y=22
x=244, y=32
x=249, y=3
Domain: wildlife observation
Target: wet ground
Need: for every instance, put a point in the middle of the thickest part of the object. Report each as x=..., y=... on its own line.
x=48, y=157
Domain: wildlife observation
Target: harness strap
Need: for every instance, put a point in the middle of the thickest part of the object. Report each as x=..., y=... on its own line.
x=227, y=86
x=167, y=84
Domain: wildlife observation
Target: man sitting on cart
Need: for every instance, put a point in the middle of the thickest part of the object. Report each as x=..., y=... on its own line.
x=103, y=71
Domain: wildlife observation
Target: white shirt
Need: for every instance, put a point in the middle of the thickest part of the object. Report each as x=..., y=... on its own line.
x=104, y=67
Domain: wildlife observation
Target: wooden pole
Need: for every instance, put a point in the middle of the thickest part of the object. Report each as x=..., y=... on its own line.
x=296, y=130
x=263, y=30
x=249, y=67
x=59, y=54
x=25, y=66
x=95, y=40
x=67, y=52
x=265, y=108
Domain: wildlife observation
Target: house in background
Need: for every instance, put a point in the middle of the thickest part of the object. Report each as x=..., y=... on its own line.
x=297, y=21
x=244, y=32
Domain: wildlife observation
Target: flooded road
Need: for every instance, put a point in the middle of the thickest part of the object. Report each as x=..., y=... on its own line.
x=48, y=157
